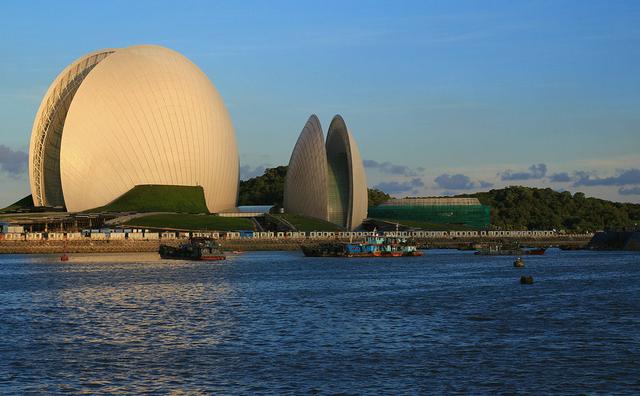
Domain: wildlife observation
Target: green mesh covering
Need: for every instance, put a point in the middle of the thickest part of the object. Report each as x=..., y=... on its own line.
x=474, y=216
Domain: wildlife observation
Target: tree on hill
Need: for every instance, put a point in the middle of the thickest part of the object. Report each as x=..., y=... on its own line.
x=377, y=196
x=522, y=208
x=267, y=189
x=512, y=208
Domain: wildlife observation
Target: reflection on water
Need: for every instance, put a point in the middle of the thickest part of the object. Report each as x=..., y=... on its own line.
x=86, y=258
x=448, y=322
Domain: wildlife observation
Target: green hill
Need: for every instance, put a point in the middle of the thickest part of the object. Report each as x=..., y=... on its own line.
x=192, y=222
x=527, y=208
x=376, y=197
x=267, y=189
x=158, y=198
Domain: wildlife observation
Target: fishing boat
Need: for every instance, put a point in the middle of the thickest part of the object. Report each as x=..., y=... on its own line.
x=200, y=249
x=373, y=246
x=508, y=250
x=536, y=251
x=500, y=250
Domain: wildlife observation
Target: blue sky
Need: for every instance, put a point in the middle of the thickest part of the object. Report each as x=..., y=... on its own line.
x=442, y=97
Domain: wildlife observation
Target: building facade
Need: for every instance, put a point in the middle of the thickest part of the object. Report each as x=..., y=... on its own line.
x=443, y=211
x=326, y=179
x=118, y=118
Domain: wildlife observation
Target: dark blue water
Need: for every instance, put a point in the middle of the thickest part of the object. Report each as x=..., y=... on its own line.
x=278, y=323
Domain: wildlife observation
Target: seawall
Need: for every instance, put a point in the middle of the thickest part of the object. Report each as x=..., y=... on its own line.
x=139, y=246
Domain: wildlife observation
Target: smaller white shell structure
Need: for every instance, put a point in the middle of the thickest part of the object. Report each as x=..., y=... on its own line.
x=326, y=180
x=123, y=117
x=306, y=183
x=343, y=155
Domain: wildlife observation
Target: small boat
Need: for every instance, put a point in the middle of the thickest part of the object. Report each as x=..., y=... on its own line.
x=200, y=249
x=373, y=246
x=518, y=263
x=499, y=250
x=513, y=249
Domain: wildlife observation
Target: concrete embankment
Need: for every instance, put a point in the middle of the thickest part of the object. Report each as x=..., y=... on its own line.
x=48, y=247
x=570, y=242
x=125, y=246
x=44, y=247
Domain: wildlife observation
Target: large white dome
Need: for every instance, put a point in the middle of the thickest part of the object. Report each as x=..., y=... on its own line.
x=132, y=116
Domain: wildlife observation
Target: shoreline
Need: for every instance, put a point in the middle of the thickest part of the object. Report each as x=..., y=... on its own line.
x=138, y=246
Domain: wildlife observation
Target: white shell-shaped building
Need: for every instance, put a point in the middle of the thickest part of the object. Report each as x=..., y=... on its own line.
x=326, y=180
x=123, y=117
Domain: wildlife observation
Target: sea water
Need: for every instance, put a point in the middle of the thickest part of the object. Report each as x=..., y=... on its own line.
x=279, y=323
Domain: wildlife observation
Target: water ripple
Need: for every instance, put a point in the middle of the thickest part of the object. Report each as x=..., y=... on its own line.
x=277, y=323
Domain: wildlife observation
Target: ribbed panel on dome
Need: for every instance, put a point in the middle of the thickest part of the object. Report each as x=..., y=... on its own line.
x=305, y=187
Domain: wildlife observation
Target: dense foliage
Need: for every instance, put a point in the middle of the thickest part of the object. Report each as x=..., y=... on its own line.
x=512, y=208
x=267, y=189
x=522, y=208
x=376, y=196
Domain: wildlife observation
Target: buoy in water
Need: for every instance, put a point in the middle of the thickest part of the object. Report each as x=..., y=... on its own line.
x=526, y=280
x=64, y=256
x=519, y=263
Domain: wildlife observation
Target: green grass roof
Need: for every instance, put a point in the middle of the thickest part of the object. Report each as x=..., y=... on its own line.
x=304, y=223
x=158, y=198
x=191, y=222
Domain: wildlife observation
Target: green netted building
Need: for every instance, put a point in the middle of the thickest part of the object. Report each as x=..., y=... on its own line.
x=468, y=212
